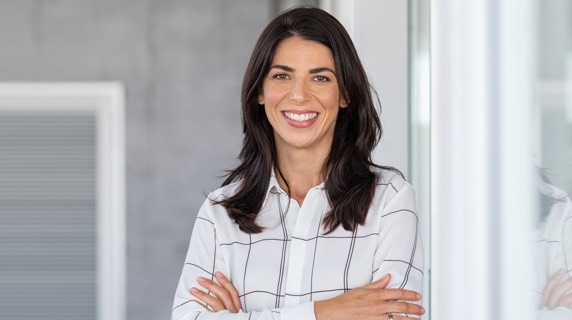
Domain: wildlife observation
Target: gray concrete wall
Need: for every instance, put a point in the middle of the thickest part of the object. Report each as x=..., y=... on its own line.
x=182, y=64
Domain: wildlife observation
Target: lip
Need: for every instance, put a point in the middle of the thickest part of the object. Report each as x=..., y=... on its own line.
x=302, y=124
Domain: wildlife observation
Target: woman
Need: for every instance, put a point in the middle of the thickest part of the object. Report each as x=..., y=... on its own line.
x=307, y=226
x=552, y=252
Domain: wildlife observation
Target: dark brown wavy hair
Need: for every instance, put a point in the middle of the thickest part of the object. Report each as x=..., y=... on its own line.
x=350, y=180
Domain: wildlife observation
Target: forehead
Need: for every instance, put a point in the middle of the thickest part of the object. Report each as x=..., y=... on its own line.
x=297, y=50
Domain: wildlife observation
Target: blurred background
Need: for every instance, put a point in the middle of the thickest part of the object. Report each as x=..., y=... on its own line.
x=117, y=117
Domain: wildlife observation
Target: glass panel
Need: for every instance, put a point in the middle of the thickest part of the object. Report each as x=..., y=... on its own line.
x=420, y=121
x=552, y=155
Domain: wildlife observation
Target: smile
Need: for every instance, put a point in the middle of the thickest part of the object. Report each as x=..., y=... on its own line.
x=300, y=117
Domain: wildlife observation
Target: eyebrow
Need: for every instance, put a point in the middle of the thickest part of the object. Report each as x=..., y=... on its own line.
x=312, y=71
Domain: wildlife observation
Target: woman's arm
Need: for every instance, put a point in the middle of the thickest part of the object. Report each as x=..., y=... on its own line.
x=224, y=294
x=557, y=291
x=399, y=250
x=373, y=301
x=203, y=260
x=556, y=299
x=399, y=253
x=369, y=302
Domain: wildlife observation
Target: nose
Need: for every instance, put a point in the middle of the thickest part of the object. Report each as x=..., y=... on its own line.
x=299, y=92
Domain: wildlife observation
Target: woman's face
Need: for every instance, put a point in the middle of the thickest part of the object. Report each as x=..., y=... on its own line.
x=301, y=96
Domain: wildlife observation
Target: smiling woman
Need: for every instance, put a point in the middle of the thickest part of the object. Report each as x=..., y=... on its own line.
x=307, y=226
x=301, y=98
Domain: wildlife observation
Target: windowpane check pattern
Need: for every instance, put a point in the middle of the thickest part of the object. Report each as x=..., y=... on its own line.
x=281, y=271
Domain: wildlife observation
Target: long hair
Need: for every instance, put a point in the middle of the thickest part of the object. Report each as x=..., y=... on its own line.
x=350, y=180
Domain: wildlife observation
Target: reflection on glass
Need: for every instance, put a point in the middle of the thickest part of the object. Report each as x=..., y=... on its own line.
x=420, y=115
x=553, y=252
x=552, y=154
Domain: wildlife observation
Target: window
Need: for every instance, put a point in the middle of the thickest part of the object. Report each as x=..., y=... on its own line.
x=62, y=220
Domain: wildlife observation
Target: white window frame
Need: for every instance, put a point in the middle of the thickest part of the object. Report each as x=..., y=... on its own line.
x=106, y=101
x=482, y=186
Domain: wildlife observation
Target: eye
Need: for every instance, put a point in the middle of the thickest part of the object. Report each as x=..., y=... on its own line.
x=320, y=78
x=280, y=76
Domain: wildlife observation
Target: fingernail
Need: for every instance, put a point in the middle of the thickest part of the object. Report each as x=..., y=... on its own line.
x=218, y=274
x=385, y=276
x=194, y=290
x=200, y=279
x=418, y=296
x=422, y=310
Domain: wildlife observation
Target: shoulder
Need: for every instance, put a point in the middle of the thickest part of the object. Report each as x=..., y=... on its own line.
x=224, y=192
x=216, y=216
x=561, y=207
x=392, y=182
x=393, y=190
x=211, y=208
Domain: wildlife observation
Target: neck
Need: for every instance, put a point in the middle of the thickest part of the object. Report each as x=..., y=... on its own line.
x=302, y=169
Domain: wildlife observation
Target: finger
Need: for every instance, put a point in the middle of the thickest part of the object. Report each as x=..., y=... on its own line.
x=207, y=299
x=398, y=294
x=404, y=308
x=566, y=301
x=381, y=283
x=403, y=317
x=225, y=283
x=552, y=283
x=558, y=292
x=221, y=293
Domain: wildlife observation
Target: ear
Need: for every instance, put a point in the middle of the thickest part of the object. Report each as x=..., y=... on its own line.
x=343, y=103
x=261, y=98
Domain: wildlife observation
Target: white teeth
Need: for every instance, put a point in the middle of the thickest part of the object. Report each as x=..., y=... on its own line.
x=300, y=117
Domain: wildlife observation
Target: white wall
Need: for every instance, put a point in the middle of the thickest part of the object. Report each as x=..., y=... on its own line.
x=381, y=38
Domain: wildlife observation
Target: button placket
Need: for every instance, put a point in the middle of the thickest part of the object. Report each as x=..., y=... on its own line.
x=301, y=248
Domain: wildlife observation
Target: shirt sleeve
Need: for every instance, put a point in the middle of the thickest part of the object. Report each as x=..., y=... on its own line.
x=567, y=237
x=399, y=251
x=553, y=252
x=204, y=259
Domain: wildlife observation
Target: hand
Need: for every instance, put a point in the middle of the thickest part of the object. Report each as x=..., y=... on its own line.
x=557, y=293
x=225, y=294
x=372, y=301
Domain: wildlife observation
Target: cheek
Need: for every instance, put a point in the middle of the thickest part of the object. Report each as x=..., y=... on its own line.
x=271, y=113
x=331, y=99
x=272, y=95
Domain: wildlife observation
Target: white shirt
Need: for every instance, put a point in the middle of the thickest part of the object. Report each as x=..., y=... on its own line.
x=552, y=248
x=281, y=271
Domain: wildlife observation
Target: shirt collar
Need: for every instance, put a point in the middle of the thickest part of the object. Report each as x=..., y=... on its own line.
x=274, y=187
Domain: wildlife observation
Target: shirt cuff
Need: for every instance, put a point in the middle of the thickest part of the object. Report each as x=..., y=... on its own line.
x=303, y=311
